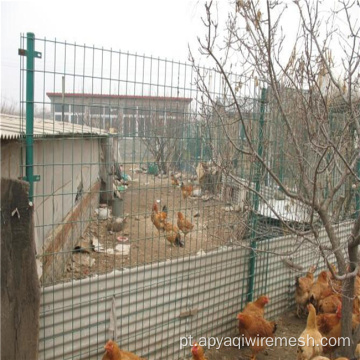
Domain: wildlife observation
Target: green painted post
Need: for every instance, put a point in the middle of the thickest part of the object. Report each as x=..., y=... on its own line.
x=251, y=269
x=30, y=112
x=198, y=144
x=30, y=54
x=253, y=244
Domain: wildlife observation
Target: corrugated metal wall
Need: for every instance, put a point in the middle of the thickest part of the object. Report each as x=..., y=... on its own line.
x=153, y=302
x=151, y=306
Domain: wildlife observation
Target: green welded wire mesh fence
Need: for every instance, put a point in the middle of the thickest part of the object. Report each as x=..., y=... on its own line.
x=116, y=135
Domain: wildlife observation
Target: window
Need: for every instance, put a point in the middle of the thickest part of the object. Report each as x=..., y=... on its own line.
x=95, y=110
x=115, y=110
x=79, y=119
x=78, y=108
x=59, y=108
x=141, y=125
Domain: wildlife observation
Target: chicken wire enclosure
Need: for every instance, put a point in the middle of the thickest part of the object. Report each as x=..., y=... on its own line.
x=110, y=126
x=115, y=136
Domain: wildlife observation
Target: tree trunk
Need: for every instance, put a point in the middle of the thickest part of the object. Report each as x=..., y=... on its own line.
x=20, y=287
x=348, y=288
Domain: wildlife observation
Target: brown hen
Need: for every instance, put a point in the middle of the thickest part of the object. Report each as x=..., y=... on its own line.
x=184, y=225
x=186, y=190
x=172, y=235
x=302, y=291
x=256, y=330
x=197, y=352
x=113, y=352
x=256, y=308
x=158, y=218
x=320, y=289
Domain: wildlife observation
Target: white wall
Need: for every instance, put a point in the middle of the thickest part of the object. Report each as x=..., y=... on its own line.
x=61, y=163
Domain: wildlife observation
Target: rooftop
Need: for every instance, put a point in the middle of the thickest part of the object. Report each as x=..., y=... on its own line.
x=14, y=127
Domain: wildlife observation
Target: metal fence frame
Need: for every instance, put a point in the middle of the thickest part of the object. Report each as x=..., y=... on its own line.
x=157, y=303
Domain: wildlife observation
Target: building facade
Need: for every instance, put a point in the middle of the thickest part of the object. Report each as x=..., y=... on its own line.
x=128, y=115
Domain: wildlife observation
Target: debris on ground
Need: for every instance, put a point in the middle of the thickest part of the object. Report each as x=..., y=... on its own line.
x=116, y=224
x=121, y=249
x=146, y=245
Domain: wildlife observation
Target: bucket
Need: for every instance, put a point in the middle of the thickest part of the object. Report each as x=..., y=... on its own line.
x=118, y=207
x=153, y=169
x=103, y=213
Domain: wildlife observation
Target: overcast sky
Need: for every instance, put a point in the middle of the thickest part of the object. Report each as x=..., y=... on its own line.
x=161, y=28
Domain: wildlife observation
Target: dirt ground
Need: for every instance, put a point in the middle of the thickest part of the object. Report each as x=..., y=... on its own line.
x=215, y=226
x=289, y=325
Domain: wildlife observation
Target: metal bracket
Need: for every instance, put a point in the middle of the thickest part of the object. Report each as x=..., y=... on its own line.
x=23, y=52
x=35, y=178
x=191, y=312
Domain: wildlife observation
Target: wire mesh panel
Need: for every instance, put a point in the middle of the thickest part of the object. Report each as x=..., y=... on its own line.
x=117, y=144
x=149, y=206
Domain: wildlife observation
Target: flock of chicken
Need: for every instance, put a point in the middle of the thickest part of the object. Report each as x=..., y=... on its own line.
x=160, y=220
x=323, y=297
x=319, y=299
x=113, y=352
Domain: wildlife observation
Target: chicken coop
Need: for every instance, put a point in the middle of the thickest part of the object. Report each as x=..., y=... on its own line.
x=162, y=228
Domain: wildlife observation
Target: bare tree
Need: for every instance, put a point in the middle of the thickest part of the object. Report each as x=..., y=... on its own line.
x=308, y=105
x=42, y=112
x=161, y=135
x=9, y=107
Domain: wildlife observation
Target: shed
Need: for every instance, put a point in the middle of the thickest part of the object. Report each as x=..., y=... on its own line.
x=70, y=160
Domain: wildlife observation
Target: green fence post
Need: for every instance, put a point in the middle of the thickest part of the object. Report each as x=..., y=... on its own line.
x=256, y=200
x=30, y=54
